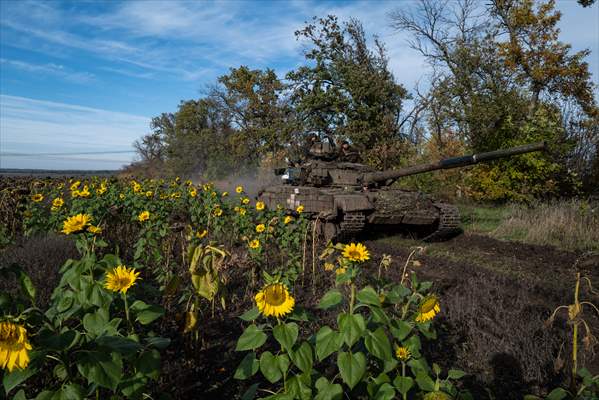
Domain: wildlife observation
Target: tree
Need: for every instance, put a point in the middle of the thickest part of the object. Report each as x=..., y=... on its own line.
x=346, y=90
x=255, y=102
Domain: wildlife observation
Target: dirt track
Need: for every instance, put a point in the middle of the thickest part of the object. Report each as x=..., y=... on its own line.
x=497, y=296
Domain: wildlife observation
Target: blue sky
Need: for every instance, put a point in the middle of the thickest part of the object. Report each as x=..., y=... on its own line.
x=87, y=76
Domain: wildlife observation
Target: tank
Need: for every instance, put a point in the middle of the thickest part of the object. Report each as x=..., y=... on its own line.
x=347, y=198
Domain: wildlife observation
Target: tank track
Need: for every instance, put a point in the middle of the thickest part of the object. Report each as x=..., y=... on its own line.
x=449, y=223
x=352, y=224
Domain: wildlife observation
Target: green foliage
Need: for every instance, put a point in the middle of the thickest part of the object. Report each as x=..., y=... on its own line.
x=361, y=346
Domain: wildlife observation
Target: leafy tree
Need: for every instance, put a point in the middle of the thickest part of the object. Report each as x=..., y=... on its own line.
x=346, y=89
x=254, y=101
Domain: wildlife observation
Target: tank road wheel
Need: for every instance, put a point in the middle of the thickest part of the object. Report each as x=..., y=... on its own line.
x=449, y=223
x=328, y=230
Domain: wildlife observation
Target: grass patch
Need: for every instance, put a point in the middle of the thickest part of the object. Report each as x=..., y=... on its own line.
x=566, y=224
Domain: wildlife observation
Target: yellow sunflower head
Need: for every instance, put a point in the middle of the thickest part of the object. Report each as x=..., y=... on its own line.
x=149, y=193
x=274, y=300
x=217, y=212
x=428, y=308
x=329, y=266
x=356, y=252
x=300, y=209
x=254, y=244
x=85, y=192
x=287, y=219
x=224, y=194
x=37, y=197
x=245, y=200
x=193, y=193
x=14, y=346
x=260, y=228
x=239, y=189
x=340, y=270
x=143, y=216
x=76, y=223
x=259, y=206
x=75, y=185
x=402, y=353
x=120, y=279
x=57, y=202
x=242, y=211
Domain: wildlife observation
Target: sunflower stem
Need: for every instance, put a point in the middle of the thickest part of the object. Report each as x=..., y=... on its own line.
x=352, y=298
x=403, y=374
x=127, y=312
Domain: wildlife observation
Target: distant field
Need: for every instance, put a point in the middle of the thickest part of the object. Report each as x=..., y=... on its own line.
x=54, y=173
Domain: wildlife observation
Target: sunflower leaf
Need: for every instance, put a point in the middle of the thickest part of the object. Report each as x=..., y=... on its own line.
x=269, y=367
x=330, y=299
x=286, y=334
x=303, y=357
x=250, y=315
x=328, y=341
x=351, y=367
x=352, y=326
x=248, y=367
x=250, y=339
x=368, y=296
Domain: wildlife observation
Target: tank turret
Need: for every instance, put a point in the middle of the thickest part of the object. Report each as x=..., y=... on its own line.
x=347, y=198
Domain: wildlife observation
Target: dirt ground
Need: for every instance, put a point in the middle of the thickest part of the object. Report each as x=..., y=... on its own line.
x=496, y=297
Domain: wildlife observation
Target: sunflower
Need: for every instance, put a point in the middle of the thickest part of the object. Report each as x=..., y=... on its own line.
x=242, y=211
x=329, y=266
x=287, y=219
x=428, y=308
x=149, y=194
x=217, y=212
x=75, y=185
x=274, y=300
x=13, y=346
x=143, y=216
x=259, y=206
x=245, y=200
x=402, y=353
x=254, y=244
x=175, y=195
x=260, y=228
x=76, y=223
x=85, y=192
x=239, y=189
x=193, y=193
x=94, y=229
x=121, y=196
x=120, y=279
x=201, y=234
x=356, y=252
x=300, y=209
x=57, y=202
x=37, y=197
x=340, y=271
x=224, y=194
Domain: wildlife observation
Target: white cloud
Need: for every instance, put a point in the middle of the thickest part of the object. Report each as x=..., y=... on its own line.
x=31, y=126
x=50, y=69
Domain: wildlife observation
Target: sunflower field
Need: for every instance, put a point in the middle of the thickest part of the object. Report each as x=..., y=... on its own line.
x=170, y=275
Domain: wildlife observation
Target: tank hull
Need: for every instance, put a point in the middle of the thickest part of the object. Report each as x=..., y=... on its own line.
x=344, y=213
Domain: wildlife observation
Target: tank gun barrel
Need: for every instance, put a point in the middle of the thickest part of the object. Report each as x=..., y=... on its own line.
x=448, y=163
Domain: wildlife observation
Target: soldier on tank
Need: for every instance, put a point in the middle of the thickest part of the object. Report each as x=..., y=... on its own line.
x=347, y=153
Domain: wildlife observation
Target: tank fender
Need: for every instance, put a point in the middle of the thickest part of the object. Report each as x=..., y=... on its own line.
x=352, y=202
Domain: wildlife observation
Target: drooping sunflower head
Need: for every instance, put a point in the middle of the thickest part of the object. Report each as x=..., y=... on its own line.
x=143, y=216
x=356, y=252
x=14, y=346
x=224, y=194
x=94, y=229
x=239, y=189
x=287, y=219
x=201, y=234
x=274, y=300
x=300, y=209
x=120, y=279
x=402, y=353
x=260, y=228
x=76, y=223
x=259, y=206
x=37, y=197
x=254, y=244
x=428, y=308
